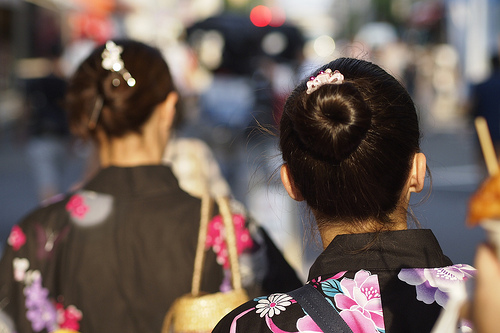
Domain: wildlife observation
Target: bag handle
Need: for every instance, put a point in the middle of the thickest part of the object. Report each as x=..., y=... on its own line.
x=322, y=312
x=206, y=213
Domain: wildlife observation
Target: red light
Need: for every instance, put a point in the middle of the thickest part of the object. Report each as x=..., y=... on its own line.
x=278, y=17
x=260, y=16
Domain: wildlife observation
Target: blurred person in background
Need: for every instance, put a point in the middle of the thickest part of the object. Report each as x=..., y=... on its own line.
x=349, y=138
x=46, y=130
x=113, y=256
x=484, y=101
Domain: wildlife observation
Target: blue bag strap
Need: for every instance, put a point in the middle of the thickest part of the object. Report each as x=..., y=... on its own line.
x=322, y=312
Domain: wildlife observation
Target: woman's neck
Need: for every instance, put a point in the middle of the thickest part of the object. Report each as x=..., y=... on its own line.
x=130, y=150
x=329, y=230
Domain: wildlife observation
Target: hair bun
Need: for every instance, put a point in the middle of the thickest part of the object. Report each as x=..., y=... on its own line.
x=336, y=120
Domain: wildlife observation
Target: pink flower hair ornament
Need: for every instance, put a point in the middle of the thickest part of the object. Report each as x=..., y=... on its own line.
x=324, y=77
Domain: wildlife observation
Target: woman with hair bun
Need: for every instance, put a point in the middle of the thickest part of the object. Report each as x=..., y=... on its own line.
x=349, y=138
x=114, y=255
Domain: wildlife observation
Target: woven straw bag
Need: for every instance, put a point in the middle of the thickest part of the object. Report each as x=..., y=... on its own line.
x=198, y=311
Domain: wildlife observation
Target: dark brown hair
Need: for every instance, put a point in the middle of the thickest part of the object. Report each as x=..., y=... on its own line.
x=124, y=109
x=350, y=147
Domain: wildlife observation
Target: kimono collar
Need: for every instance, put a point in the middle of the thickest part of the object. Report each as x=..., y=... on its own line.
x=133, y=181
x=389, y=250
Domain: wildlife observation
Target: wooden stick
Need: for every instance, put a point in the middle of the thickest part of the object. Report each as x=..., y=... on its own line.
x=486, y=145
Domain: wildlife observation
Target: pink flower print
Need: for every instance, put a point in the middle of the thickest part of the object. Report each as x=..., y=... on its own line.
x=216, y=238
x=435, y=284
x=338, y=275
x=358, y=322
x=307, y=325
x=316, y=282
x=76, y=206
x=69, y=318
x=17, y=238
x=273, y=305
x=360, y=303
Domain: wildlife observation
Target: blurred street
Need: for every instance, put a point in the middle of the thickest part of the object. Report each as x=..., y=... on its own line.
x=18, y=190
x=235, y=62
x=457, y=169
x=451, y=156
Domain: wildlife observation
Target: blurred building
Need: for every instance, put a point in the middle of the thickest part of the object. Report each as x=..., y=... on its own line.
x=473, y=29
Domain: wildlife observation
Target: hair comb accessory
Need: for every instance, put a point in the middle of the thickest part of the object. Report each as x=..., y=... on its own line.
x=96, y=111
x=112, y=61
x=324, y=77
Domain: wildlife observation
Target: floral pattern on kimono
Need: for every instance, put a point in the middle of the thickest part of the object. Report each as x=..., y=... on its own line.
x=435, y=284
x=89, y=208
x=41, y=310
x=367, y=286
x=358, y=301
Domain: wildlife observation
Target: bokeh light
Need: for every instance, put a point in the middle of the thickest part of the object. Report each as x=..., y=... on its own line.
x=211, y=47
x=261, y=16
x=274, y=43
x=278, y=17
x=324, y=46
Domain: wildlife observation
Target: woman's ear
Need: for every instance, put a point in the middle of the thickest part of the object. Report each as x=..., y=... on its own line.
x=417, y=174
x=287, y=181
x=168, y=109
x=164, y=118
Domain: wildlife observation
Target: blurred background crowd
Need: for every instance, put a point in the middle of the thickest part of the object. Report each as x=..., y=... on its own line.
x=234, y=62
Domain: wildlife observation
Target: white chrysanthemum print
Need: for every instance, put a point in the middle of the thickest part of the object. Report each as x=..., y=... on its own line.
x=273, y=305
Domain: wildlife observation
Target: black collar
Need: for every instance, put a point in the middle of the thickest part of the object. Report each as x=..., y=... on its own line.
x=134, y=181
x=391, y=250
